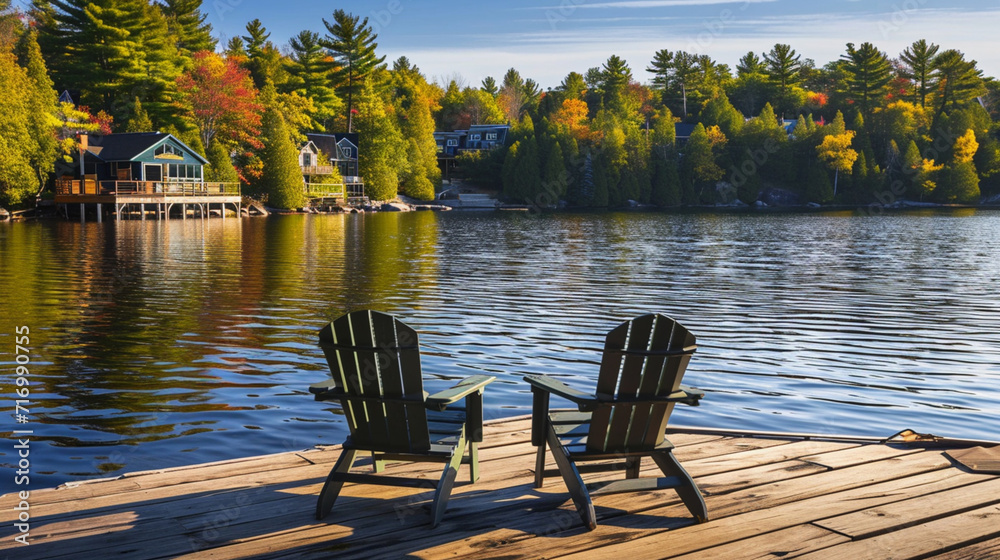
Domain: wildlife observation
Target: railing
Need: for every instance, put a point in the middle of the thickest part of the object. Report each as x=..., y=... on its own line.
x=324, y=190
x=126, y=188
x=317, y=169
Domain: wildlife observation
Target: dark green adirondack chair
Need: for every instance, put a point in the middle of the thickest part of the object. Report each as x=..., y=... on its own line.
x=637, y=387
x=375, y=367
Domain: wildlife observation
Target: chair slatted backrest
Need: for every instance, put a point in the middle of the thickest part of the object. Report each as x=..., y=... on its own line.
x=375, y=359
x=644, y=357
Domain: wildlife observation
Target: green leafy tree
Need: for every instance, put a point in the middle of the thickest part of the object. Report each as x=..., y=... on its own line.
x=382, y=152
x=17, y=179
x=41, y=100
x=352, y=42
x=918, y=59
x=699, y=166
x=413, y=97
x=868, y=73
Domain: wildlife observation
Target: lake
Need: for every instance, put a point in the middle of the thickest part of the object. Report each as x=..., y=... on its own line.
x=157, y=344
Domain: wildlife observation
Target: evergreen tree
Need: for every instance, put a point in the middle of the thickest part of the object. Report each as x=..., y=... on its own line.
x=139, y=120
x=490, y=86
x=919, y=61
x=220, y=165
x=263, y=59
x=719, y=111
x=698, y=165
x=188, y=28
x=281, y=178
x=958, y=184
x=782, y=68
x=868, y=72
x=554, y=175
x=309, y=70
x=573, y=86
x=616, y=76
x=382, y=152
x=352, y=42
x=959, y=80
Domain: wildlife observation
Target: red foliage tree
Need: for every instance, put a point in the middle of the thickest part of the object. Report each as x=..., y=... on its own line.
x=222, y=100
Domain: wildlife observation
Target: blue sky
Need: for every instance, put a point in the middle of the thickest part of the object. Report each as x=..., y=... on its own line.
x=546, y=39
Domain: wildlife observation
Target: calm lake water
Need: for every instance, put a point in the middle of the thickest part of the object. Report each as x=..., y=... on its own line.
x=156, y=344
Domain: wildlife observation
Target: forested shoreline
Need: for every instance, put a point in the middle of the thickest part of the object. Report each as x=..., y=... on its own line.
x=870, y=126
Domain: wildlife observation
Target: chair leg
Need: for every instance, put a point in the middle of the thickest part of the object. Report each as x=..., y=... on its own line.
x=632, y=467
x=473, y=461
x=571, y=476
x=378, y=464
x=444, y=485
x=688, y=490
x=331, y=489
x=540, y=465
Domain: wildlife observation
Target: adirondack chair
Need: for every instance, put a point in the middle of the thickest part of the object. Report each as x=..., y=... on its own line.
x=375, y=367
x=637, y=387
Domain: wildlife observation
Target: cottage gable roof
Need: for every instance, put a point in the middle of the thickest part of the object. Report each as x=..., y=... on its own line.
x=130, y=145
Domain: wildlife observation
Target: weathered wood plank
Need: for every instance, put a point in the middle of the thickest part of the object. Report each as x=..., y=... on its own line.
x=891, y=517
x=775, y=515
x=786, y=543
x=986, y=550
x=934, y=537
x=769, y=494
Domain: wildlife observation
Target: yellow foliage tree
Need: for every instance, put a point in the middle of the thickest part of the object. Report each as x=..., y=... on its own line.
x=836, y=152
x=966, y=147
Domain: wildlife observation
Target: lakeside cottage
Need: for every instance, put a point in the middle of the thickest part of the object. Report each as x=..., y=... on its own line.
x=324, y=153
x=478, y=137
x=142, y=171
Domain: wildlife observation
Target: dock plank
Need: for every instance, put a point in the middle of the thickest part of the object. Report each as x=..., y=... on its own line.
x=767, y=497
x=875, y=521
x=934, y=537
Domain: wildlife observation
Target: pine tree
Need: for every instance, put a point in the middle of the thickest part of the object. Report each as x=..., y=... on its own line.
x=220, y=165
x=309, y=69
x=868, y=72
x=281, y=178
x=919, y=61
x=139, y=120
x=959, y=80
x=382, y=151
x=490, y=86
x=353, y=45
x=554, y=175
x=188, y=29
x=782, y=68
x=263, y=59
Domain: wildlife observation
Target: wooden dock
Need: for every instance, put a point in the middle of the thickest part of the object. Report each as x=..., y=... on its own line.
x=773, y=497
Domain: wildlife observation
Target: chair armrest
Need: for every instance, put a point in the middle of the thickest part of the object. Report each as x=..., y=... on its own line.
x=558, y=388
x=326, y=390
x=690, y=395
x=462, y=389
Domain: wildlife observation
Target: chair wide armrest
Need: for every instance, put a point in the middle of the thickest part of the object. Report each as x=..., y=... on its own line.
x=690, y=395
x=326, y=390
x=462, y=389
x=558, y=388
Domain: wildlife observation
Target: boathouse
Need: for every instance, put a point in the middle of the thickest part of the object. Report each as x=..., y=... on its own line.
x=137, y=173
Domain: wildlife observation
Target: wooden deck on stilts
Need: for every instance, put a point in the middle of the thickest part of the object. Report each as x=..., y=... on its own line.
x=775, y=497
